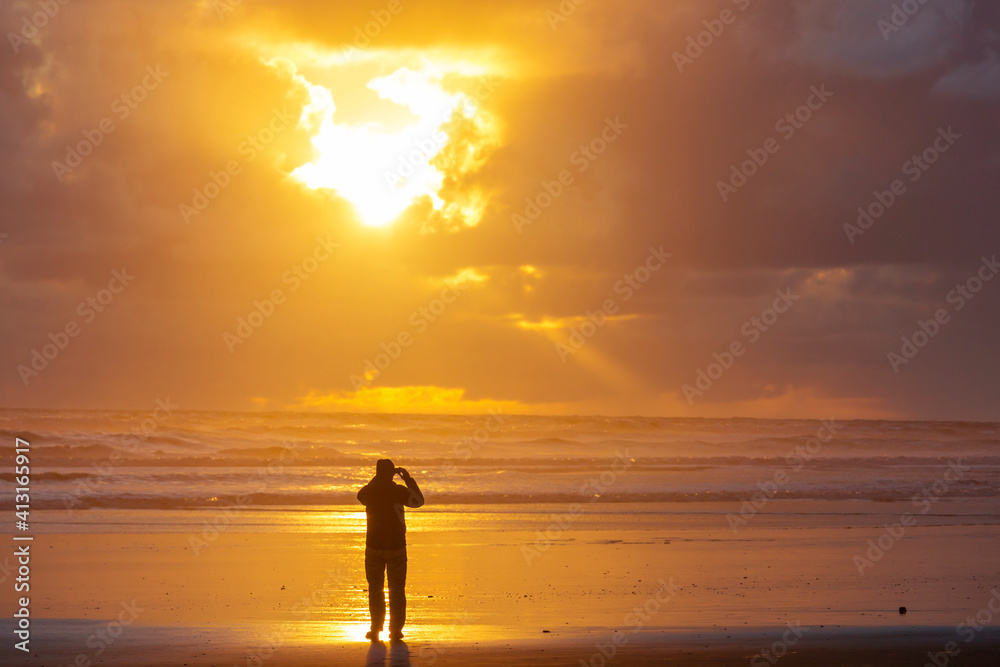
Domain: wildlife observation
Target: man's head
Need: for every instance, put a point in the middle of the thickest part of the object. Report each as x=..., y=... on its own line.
x=385, y=469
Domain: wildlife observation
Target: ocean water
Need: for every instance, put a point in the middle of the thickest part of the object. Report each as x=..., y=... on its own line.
x=187, y=459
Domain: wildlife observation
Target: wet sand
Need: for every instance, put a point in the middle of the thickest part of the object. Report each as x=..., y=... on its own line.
x=202, y=647
x=652, y=584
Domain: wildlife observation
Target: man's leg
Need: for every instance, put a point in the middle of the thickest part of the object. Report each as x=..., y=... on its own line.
x=375, y=574
x=396, y=571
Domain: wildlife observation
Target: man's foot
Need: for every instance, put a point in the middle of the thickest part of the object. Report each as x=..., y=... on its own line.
x=395, y=634
x=372, y=635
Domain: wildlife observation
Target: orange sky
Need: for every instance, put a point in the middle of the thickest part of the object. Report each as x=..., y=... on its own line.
x=445, y=206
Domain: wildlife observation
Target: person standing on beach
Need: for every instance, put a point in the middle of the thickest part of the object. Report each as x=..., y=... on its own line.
x=385, y=544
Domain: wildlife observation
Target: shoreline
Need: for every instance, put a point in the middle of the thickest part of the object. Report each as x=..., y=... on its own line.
x=62, y=641
x=666, y=585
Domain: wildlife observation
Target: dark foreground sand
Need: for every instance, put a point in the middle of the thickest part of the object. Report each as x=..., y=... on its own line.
x=201, y=647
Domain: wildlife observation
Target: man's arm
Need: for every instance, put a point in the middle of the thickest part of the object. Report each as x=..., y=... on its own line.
x=365, y=494
x=414, y=498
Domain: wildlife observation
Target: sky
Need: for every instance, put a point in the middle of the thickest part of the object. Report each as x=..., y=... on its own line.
x=686, y=208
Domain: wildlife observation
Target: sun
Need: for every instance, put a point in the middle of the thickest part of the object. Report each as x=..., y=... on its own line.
x=383, y=168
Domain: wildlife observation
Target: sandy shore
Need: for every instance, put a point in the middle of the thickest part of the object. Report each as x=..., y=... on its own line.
x=246, y=646
x=652, y=584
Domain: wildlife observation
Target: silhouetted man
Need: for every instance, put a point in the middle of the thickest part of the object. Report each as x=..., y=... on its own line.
x=385, y=544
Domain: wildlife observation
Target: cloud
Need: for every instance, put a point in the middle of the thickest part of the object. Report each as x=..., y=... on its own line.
x=654, y=185
x=977, y=80
x=860, y=37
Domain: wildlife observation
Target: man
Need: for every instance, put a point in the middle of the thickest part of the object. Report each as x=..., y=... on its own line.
x=385, y=544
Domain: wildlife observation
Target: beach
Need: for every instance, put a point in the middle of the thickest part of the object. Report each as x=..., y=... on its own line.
x=236, y=539
x=656, y=332
x=643, y=583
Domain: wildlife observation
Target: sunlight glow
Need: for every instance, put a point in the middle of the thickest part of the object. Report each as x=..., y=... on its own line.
x=383, y=171
x=406, y=399
x=563, y=323
x=356, y=632
x=466, y=276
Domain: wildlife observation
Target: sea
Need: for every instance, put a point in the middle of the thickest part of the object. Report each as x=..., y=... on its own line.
x=171, y=459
